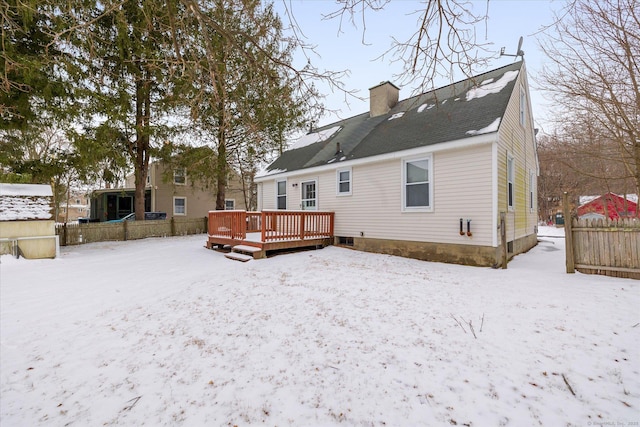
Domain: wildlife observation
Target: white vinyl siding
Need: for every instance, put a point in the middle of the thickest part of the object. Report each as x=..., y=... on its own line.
x=461, y=188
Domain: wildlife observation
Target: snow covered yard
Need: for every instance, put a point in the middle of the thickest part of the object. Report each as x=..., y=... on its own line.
x=165, y=332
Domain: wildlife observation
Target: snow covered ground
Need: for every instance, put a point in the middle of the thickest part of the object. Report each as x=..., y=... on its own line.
x=166, y=332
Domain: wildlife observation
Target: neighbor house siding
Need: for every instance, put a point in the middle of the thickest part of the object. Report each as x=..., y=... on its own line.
x=200, y=199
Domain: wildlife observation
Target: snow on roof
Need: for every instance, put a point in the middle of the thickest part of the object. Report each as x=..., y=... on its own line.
x=488, y=86
x=266, y=172
x=396, y=115
x=25, y=201
x=43, y=190
x=493, y=127
x=312, y=138
x=425, y=107
x=583, y=200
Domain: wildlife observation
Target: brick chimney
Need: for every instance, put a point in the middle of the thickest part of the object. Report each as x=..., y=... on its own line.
x=382, y=98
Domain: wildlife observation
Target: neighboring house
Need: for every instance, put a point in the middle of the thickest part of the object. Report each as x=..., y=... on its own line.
x=611, y=205
x=26, y=223
x=74, y=207
x=429, y=177
x=167, y=190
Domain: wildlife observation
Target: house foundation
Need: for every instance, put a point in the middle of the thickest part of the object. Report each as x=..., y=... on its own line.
x=480, y=256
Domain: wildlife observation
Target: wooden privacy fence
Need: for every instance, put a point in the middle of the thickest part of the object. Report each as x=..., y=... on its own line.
x=608, y=247
x=602, y=246
x=77, y=234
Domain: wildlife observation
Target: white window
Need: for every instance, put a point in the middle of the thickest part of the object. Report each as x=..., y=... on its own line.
x=417, y=177
x=523, y=105
x=510, y=180
x=281, y=194
x=179, y=205
x=309, y=196
x=344, y=182
x=229, y=204
x=180, y=176
x=532, y=186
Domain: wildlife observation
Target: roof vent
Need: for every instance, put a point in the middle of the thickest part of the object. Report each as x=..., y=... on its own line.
x=382, y=98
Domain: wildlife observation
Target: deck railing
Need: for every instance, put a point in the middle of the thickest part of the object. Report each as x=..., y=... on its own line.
x=273, y=226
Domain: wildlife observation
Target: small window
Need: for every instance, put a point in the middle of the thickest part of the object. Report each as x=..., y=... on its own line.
x=523, y=105
x=417, y=177
x=229, y=204
x=179, y=205
x=510, y=179
x=344, y=182
x=180, y=176
x=281, y=194
x=532, y=186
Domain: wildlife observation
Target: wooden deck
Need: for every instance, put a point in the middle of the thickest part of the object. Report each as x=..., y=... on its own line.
x=269, y=230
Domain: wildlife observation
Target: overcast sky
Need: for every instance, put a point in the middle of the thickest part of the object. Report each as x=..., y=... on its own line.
x=346, y=47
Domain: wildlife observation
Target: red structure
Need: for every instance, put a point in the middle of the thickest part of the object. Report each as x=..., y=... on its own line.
x=610, y=205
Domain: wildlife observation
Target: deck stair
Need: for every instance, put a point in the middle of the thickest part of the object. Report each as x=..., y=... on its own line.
x=244, y=253
x=236, y=256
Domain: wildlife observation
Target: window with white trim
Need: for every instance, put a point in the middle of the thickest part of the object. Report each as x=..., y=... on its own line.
x=309, y=196
x=532, y=186
x=417, y=177
x=510, y=181
x=281, y=194
x=180, y=176
x=344, y=182
x=229, y=204
x=523, y=105
x=179, y=205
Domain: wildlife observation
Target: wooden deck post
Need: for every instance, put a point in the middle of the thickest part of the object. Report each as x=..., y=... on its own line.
x=302, y=224
x=568, y=234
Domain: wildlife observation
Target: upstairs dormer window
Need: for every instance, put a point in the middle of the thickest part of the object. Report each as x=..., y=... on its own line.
x=523, y=105
x=179, y=176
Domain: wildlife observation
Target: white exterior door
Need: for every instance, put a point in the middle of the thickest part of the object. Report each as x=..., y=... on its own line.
x=309, y=197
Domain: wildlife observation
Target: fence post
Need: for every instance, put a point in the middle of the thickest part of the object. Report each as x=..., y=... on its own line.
x=124, y=228
x=173, y=226
x=64, y=234
x=568, y=234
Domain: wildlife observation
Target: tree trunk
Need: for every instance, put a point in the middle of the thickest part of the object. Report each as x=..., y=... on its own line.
x=221, y=170
x=141, y=167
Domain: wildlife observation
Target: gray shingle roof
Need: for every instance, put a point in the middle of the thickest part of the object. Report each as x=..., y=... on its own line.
x=460, y=110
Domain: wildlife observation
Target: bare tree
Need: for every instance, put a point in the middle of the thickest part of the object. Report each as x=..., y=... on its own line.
x=593, y=77
x=444, y=44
